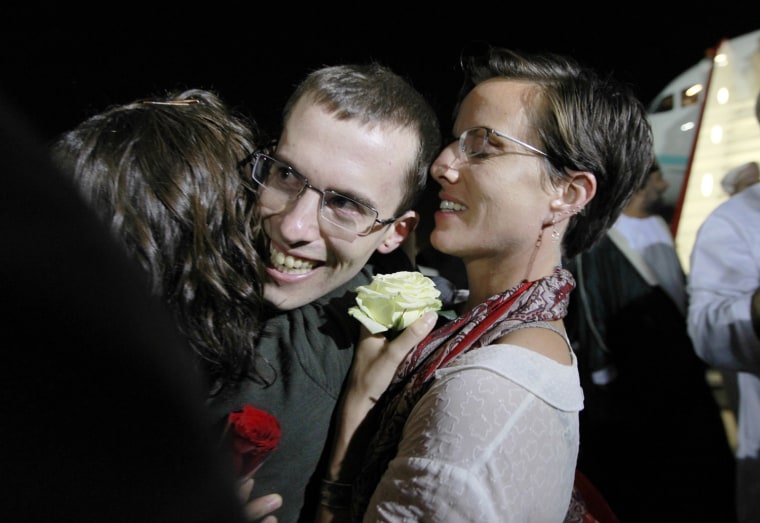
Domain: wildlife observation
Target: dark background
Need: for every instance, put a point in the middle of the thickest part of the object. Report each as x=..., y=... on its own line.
x=60, y=65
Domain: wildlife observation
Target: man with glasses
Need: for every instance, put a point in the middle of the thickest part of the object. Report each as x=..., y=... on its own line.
x=281, y=185
x=338, y=187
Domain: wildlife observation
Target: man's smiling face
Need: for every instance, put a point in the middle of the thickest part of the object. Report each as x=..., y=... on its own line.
x=368, y=164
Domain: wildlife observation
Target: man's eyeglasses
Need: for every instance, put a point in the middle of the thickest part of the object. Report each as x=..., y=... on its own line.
x=282, y=185
x=474, y=141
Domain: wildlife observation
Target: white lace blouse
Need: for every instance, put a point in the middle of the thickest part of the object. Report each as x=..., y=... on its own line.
x=495, y=439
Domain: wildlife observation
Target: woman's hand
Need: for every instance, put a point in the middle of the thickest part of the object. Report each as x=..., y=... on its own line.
x=375, y=362
x=259, y=509
x=376, y=358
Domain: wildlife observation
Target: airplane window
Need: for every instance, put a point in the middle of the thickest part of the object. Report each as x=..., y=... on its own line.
x=666, y=104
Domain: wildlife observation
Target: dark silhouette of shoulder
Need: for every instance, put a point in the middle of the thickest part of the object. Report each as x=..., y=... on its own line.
x=103, y=415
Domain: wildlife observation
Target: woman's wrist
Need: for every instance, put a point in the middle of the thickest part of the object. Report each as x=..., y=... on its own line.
x=335, y=495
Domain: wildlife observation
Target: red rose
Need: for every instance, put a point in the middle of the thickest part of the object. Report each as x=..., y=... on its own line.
x=253, y=434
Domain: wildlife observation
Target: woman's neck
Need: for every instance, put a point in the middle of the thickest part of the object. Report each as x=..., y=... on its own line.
x=486, y=278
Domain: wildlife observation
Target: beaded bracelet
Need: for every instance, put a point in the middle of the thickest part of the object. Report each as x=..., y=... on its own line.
x=335, y=495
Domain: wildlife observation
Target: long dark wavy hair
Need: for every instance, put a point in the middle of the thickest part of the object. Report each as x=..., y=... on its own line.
x=165, y=174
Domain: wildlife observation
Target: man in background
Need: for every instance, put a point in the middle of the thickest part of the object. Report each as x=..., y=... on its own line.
x=741, y=177
x=652, y=437
x=724, y=321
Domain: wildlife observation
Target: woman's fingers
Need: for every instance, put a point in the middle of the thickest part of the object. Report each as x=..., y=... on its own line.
x=260, y=507
x=377, y=359
x=413, y=334
x=263, y=507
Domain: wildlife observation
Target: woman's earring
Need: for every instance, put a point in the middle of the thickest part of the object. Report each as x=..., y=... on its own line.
x=555, y=232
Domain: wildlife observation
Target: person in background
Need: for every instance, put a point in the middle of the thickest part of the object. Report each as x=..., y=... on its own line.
x=337, y=193
x=734, y=182
x=652, y=436
x=480, y=421
x=741, y=177
x=103, y=416
x=164, y=174
x=724, y=321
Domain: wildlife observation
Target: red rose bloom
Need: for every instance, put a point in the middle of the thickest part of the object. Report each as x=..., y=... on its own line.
x=253, y=434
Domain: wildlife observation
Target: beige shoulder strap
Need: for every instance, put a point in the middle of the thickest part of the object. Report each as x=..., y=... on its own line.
x=543, y=325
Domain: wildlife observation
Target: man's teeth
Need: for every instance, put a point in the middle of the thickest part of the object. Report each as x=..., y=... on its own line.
x=288, y=264
x=451, y=206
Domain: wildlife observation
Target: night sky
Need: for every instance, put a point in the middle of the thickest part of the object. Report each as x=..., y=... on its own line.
x=59, y=72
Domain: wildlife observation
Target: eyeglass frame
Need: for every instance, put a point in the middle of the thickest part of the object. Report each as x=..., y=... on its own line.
x=254, y=157
x=500, y=134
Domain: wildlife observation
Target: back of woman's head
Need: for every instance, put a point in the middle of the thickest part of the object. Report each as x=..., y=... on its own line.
x=584, y=122
x=165, y=175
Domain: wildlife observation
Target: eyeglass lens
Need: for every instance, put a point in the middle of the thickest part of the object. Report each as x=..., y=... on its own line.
x=474, y=142
x=284, y=184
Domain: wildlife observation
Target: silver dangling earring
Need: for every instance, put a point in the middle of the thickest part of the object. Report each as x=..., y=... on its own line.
x=555, y=232
x=535, y=252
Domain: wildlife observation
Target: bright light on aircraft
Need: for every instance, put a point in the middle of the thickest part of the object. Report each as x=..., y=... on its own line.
x=716, y=134
x=707, y=185
x=694, y=90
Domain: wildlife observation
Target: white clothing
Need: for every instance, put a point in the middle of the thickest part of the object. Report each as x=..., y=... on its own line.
x=652, y=239
x=494, y=439
x=725, y=272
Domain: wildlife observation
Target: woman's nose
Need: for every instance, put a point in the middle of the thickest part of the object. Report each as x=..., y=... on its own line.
x=445, y=166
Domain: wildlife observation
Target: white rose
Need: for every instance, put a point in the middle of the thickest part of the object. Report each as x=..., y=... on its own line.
x=393, y=301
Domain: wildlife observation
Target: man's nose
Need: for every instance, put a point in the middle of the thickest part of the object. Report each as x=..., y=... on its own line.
x=300, y=219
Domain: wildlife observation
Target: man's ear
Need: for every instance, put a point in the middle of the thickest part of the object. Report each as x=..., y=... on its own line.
x=399, y=232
